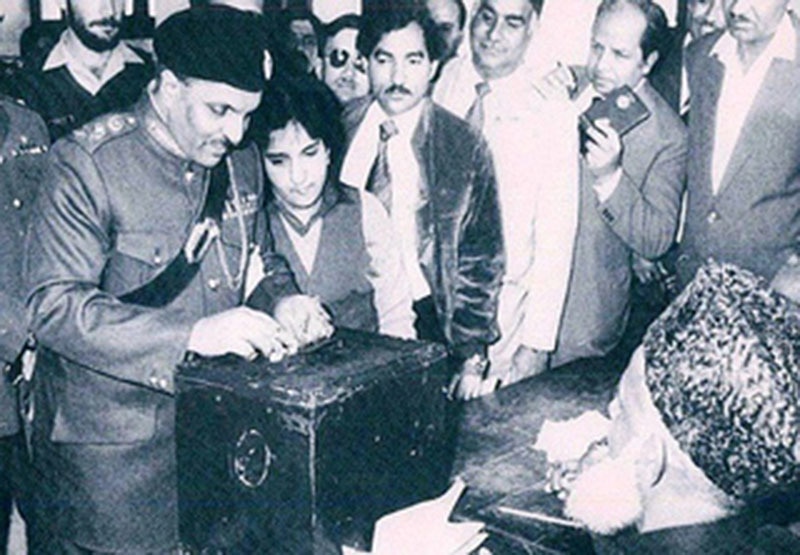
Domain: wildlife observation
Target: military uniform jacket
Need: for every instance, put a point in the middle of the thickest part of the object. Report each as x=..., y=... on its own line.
x=115, y=211
x=23, y=139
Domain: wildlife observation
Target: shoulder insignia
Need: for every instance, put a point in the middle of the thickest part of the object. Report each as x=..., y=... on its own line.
x=104, y=128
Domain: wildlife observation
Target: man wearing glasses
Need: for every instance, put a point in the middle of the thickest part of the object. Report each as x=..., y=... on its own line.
x=344, y=69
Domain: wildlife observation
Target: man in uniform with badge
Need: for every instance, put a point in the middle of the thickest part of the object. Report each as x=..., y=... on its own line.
x=140, y=247
x=23, y=138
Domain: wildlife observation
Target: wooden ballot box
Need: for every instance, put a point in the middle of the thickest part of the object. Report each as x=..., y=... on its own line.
x=303, y=455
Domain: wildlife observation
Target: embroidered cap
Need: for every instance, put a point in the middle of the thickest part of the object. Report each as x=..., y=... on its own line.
x=723, y=369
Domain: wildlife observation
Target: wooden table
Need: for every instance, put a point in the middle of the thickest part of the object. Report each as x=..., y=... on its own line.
x=496, y=459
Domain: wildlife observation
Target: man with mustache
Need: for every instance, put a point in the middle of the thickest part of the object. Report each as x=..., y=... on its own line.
x=435, y=176
x=704, y=426
x=743, y=203
x=533, y=144
x=89, y=71
x=143, y=248
x=630, y=184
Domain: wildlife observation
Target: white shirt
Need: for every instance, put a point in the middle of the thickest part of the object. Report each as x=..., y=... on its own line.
x=405, y=173
x=739, y=91
x=70, y=52
x=534, y=145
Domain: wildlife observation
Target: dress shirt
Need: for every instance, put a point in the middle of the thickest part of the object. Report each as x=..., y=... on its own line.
x=740, y=87
x=405, y=176
x=534, y=144
x=70, y=52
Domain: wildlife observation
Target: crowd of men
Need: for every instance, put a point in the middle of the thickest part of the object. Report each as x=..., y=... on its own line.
x=260, y=178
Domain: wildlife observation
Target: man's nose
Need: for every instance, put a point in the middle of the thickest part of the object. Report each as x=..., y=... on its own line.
x=398, y=74
x=234, y=129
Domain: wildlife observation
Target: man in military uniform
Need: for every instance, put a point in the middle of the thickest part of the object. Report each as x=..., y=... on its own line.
x=89, y=71
x=23, y=137
x=139, y=250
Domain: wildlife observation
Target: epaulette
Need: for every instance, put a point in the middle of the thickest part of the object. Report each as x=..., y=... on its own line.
x=101, y=130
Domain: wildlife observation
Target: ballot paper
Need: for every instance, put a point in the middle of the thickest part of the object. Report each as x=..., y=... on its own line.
x=425, y=529
x=568, y=440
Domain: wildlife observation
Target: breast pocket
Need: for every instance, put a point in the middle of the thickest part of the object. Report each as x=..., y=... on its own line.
x=137, y=258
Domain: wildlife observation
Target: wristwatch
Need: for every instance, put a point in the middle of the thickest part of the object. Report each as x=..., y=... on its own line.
x=476, y=364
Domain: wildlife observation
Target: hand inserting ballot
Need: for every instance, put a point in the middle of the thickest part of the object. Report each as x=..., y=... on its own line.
x=304, y=317
x=241, y=331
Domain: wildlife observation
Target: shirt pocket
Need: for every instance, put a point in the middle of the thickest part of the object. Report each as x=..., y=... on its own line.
x=138, y=257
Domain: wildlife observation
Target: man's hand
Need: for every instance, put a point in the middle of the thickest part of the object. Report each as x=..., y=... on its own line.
x=468, y=383
x=528, y=362
x=241, y=331
x=304, y=317
x=603, y=148
x=561, y=475
x=558, y=84
x=787, y=280
x=646, y=271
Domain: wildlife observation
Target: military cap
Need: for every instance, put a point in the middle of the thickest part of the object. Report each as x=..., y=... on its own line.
x=214, y=43
x=723, y=370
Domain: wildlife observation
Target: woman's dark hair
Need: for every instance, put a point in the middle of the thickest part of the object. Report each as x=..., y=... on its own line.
x=308, y=102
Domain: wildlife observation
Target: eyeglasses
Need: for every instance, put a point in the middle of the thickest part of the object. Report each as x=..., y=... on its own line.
x=339, y=58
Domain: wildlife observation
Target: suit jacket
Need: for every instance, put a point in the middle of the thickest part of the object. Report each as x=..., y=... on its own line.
x=754, y=219
x=461, y=243
x=23, y=138
x=640, y=217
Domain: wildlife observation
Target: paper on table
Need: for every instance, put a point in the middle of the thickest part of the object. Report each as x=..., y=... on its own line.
x=425, y=529
x=569, y=439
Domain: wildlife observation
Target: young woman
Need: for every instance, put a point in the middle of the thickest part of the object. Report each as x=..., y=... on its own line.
x=337, y=240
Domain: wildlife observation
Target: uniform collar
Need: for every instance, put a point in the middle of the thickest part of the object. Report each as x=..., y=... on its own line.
x=71, y=53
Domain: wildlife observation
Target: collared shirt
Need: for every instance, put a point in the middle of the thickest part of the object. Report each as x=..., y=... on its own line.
x=534, y=145
x=70, y=52
x=405, y=174
x=740, y=87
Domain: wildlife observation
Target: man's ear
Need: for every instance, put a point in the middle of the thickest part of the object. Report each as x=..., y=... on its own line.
x=650, y=62
x=169, y=83
x=650, y=463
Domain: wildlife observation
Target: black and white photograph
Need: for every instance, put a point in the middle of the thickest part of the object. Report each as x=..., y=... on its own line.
x=399, y=277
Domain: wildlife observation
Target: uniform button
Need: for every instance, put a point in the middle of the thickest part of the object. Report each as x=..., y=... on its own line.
x=712, y=217
x=157, y=258
x=153, y=381
x=188, y=176
x=163, y=383
x=16, y=203
x=214, y=283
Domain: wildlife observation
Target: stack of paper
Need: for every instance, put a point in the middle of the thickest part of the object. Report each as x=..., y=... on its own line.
x=425, y=529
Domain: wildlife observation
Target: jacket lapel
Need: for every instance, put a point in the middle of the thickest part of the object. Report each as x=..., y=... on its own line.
x=423, y=146
x=781, y=81
x=706, y=85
